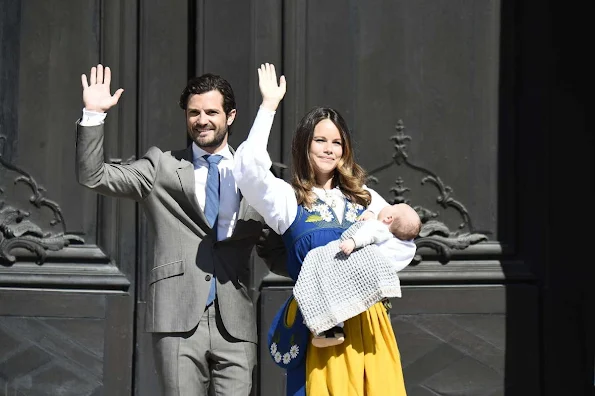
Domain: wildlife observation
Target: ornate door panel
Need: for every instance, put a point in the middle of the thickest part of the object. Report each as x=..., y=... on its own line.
x=67, y=256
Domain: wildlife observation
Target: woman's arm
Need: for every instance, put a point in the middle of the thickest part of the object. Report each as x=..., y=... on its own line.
x=377, y=202
x=272, y=197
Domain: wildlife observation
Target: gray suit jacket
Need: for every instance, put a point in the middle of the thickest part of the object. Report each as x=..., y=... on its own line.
x=186, y=254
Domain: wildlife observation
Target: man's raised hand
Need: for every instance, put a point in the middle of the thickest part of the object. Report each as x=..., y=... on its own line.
x=96, y=92
x=272, y=92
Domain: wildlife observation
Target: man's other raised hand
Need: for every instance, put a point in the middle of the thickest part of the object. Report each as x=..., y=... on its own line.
x=96, y=91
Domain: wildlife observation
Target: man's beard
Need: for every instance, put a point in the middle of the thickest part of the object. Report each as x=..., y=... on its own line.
x=207, y=142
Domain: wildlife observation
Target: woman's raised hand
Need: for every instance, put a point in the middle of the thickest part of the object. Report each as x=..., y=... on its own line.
x=96, y=92
x=272, y=92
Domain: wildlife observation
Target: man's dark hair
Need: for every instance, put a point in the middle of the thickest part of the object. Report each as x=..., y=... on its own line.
x=205, y=83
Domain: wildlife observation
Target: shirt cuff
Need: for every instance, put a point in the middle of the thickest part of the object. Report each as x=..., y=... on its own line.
x=264, y=110
x=92, y=118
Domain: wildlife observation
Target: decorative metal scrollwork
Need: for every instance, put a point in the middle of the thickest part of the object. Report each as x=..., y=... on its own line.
x=16, y=231
x=434, y=234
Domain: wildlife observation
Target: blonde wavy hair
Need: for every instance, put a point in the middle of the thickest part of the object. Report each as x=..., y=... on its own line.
x=348, y=175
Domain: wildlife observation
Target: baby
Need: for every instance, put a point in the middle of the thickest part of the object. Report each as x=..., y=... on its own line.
x=346, y=277
x=399, y=220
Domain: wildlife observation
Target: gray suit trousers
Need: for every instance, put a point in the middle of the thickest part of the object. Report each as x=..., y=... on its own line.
x=204, y=361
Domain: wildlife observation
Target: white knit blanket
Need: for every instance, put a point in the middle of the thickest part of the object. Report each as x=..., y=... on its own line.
x=333, y=287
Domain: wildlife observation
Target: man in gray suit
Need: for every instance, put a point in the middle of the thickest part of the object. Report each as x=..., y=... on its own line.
x=198, y=307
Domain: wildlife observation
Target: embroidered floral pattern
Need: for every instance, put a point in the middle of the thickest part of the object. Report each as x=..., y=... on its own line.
x=294, y=351
x=286, y=357
x=351, y=211
x=313, y=218
x=322, y=212
x=319, y=212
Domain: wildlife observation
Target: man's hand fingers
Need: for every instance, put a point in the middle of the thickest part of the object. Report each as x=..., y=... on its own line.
x=270, y=72
x=107, y=78
x=116, y=96
x=93, y=75
x=84, y=81
x=283, y=84
x=99, y=74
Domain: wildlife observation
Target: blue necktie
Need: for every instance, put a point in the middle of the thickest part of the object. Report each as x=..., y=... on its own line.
x=212, y=208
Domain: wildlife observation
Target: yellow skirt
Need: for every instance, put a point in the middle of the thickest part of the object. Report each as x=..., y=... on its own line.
x=368, y=363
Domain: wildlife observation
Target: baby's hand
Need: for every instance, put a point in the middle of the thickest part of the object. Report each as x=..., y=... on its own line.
x=347, y=246
x=367, y=215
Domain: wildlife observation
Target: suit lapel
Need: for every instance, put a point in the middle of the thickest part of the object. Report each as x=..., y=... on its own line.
x=185, y=173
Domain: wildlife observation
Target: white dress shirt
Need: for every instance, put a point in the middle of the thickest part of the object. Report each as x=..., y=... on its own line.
x=92, y=118
x=274, y=198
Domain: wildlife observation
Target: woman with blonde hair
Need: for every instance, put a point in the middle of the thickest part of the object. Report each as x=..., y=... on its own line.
x=326, y=195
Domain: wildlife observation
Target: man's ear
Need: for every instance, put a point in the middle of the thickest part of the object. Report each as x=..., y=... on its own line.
x=231, y=117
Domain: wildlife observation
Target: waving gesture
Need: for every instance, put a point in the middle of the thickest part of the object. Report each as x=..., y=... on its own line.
x=96, y=92
x=272, y=92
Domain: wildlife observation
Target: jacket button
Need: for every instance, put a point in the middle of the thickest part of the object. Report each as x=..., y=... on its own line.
x=208, y=278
